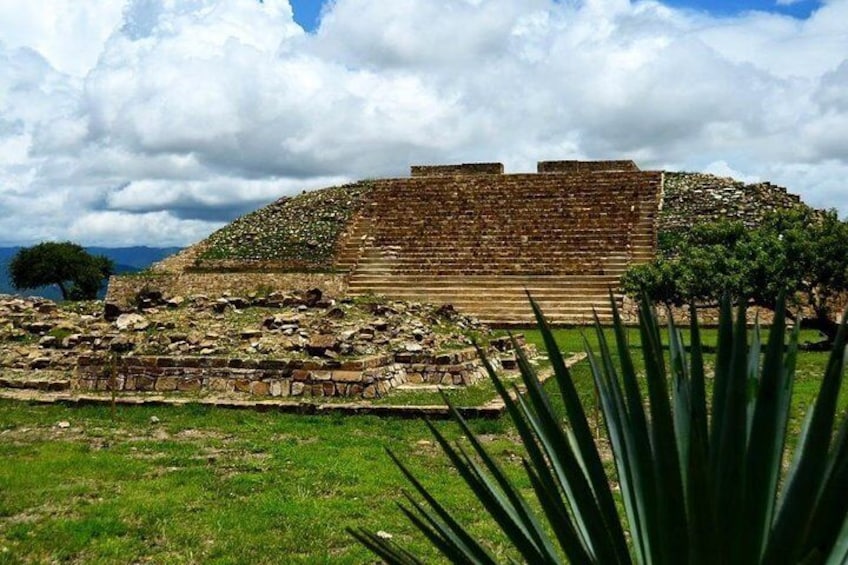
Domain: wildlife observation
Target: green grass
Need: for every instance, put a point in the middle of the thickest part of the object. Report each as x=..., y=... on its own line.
x=219, y=486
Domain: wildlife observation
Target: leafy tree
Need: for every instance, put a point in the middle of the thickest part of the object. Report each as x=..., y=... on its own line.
x=800, y=251
x=77, y=273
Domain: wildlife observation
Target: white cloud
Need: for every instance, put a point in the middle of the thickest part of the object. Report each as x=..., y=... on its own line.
x=155, y=121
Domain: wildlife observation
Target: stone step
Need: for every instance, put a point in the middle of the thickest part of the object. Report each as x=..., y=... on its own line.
x=597, y=290
x=35, y=383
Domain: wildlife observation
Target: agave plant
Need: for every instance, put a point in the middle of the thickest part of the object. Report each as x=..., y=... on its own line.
x=699, y=481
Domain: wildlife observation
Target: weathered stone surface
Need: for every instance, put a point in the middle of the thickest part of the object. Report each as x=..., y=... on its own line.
x=131, y=321
x=322, y=343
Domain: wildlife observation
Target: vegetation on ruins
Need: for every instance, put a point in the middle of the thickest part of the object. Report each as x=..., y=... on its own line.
x=800, y=251
x=78, y=274
x=301, y=229
x=701, y=481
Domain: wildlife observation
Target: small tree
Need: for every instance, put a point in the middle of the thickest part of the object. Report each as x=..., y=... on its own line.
x=77, y=273
x=799, y=251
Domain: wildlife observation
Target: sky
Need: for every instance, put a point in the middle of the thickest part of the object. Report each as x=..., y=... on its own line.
x=155, y=122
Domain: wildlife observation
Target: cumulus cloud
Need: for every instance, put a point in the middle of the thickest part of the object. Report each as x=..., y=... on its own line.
x=155, y=121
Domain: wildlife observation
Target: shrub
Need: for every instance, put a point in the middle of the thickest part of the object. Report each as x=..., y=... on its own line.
x=701, y=481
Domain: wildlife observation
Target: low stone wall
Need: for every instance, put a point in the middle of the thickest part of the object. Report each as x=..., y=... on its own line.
x=584, y=166
x=368, y=377
x=124, y=288
x=463, y=169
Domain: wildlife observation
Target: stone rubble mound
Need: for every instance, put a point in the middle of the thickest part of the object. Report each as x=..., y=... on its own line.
x=39, y=335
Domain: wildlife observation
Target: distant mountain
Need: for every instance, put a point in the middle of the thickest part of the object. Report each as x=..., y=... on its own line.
x=127, y=260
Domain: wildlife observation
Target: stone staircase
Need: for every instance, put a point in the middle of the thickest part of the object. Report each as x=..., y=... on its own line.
x=482, y=241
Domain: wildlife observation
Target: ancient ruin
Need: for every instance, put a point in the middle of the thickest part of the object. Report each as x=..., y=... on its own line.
x=356, y=290
x=468, y=235
x=294, y=345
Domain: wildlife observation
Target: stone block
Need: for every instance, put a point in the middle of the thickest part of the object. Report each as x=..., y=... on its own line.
x=320, y=375
x=166, y=384
x=352, y=365
x=260, y=388
x=347, y=376
x=219, y=384
x=145, y=383
x=190, y=385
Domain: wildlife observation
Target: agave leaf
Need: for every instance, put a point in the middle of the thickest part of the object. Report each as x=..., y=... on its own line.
x=681, y=400
x=585, y=440
x=799, y=499
x=434, y=531
x=699, y=502
x=525, y=515
x=767, y=423
x=555, y=506
x=671, y=506
x=577, y=490
x=462, y=537
x=495, y=503
x=753, y=380
x=620, y=434
x=830, y=506
x=639, y=447
x=557, y=515
x=839, y=553
x=390, y=552
x=729, y=478
x=720, y=382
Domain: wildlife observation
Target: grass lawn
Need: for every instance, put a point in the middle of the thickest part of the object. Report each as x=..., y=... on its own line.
x=221, y=486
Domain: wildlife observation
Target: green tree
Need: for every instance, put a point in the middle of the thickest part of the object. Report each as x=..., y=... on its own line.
x=77, y=273
x=800, y=251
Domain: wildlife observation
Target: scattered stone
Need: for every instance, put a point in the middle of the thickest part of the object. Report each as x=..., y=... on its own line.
x=131, y=321
x=154, y=420
x=48, y=341
x=322, y=343
x=313, y=296
x=64, y=424
x=39, y=327
x=251, y=334
x=336, y=313
x=39, y=363
x=175, y=302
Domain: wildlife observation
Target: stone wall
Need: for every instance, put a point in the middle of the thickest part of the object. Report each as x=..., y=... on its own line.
x=584, y=166
x=124, y=288
x=369, y=377
x=696, y=197
x=451, y=170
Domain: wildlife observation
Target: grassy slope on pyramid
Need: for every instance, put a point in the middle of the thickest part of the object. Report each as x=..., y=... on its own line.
x=300, y=231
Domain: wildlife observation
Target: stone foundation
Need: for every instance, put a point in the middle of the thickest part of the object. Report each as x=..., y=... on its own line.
x=123, y=289
x=369, y=377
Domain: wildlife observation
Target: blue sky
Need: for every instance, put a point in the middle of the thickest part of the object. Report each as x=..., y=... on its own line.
x=307, y=12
